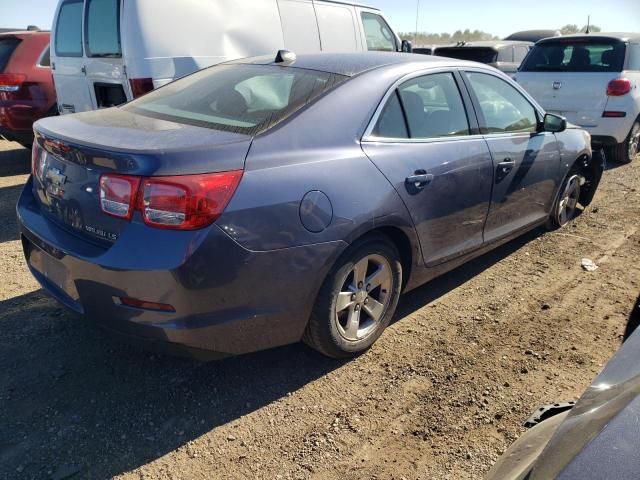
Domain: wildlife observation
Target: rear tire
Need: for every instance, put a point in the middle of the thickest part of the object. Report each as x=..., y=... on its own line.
x=357, y=299
x=566, y=205
x=628, y=150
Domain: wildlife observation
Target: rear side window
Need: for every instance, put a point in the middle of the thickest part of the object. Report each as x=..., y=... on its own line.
x=504, y=109
x=247, y=99
x=473, y=54
x=589, y=55
x=68, y=41
x=7, y=46
x=391, y=123
x=103, y=28
x=379, y=36
x=634, y=57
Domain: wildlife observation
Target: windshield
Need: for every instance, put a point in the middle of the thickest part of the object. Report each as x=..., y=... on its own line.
x=245, y=99
x=579, y=55
x=474, y=54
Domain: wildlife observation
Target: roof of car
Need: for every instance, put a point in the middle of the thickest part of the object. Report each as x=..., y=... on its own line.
x=351, y=64
x=486, y=44
x=624, y=36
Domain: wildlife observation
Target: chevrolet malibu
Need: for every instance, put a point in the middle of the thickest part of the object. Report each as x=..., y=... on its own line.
x=268, y=200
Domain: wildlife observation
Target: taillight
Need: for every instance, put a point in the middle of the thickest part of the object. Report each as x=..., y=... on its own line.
x=184, y=202
x=618, y=87
x=11, y=82
x=118, y=195
x=140, y=86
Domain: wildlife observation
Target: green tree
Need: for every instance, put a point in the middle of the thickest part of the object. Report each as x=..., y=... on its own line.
x=569, y=29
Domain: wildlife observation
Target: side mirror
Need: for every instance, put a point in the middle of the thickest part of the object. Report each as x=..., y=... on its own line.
x=554, y=123
x=406, y=46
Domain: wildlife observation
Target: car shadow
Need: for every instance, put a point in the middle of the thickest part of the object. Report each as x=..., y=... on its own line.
x=16, y=161
x=76, y=400
x=634, y=320
x=9, y=226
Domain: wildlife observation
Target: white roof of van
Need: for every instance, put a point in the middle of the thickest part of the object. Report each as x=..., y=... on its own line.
x=355, y=4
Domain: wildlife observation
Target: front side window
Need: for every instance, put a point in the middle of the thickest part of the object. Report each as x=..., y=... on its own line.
x=103, y=28
x=503, y=108
x=68, y=41
x=247, y=99
x=576, y=55
x=379, y=35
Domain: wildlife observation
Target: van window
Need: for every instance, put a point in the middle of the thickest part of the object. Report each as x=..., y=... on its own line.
x=434, y=107
x=337, y=28
x=576, y=55
x=247, y=99
x=7, y=46
x=634, y=57
x=68, y=40
x=379, y=36
x=102, y=28
x=505, y=110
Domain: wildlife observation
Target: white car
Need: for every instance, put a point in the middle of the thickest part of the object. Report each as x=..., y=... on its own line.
x=594, y=81
x=106, y=52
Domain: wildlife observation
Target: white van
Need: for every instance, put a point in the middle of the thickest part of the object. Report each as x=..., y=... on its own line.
x=106, y=52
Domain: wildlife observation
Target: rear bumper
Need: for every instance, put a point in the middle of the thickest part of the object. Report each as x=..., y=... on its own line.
x=227, y=299
x=609, y=131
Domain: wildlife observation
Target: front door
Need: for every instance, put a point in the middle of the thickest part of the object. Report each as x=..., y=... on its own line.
x=525, y=161
x=423, y=143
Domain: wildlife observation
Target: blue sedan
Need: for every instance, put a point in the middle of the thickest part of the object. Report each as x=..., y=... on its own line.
x=268, y=200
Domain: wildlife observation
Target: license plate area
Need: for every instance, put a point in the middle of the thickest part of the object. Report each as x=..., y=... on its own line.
x=52, y=269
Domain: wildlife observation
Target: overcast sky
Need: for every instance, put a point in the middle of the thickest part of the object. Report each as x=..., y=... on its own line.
x=499, y=17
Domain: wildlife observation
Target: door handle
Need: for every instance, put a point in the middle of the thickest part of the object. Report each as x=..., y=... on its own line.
x=419, y=179
x=506, y=166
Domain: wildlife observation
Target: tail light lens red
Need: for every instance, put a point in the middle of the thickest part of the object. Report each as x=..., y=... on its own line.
x=140, y=86
x=618, y=87
x=118, y=195
x=11, y=82
x=185, y=202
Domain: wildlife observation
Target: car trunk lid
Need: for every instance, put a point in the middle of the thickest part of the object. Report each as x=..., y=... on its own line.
x=72, y=152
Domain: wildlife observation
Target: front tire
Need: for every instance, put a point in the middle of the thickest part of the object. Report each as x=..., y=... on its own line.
x=566, y=205
x=628, y=150
x=357, y=299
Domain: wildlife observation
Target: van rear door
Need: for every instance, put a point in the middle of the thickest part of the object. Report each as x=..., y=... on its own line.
x=67, y=59
x=106, y=76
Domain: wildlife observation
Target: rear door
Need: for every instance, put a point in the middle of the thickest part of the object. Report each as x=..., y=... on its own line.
x=105, y=70
x=570, y=76
x=436, y=161
x=526, y=162
x=68, y=63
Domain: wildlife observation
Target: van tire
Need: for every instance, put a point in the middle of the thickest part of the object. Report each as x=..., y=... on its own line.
x=628, y=150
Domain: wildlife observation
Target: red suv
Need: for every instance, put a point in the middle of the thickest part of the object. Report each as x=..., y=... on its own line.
x=26, y=84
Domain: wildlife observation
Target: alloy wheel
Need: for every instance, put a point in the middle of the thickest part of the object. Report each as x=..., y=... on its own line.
x=364, y=297
x=569, y=200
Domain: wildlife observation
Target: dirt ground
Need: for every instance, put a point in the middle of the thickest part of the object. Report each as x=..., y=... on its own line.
x=440, y=395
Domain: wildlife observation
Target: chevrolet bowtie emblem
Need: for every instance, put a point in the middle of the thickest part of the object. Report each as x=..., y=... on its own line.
x=557, y=85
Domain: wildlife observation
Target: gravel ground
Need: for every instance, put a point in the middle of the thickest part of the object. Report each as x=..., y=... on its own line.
x=440, y=395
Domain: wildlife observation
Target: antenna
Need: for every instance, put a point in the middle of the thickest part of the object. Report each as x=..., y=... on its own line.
x=415, y=35
x=588, y=24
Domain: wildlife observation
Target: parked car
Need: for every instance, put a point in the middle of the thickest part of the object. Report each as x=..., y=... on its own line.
x=594, y=81
x=503, y=55
x=533, y=35
x=596, y=439
x=128, y=48
x=26, y=86
x=243, y=207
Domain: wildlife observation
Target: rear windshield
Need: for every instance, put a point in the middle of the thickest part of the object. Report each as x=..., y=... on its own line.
x=245, y=99
x=7, y=46
x=474, y=54
x=576, y=56
x=68, y=40
x=103, y=28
